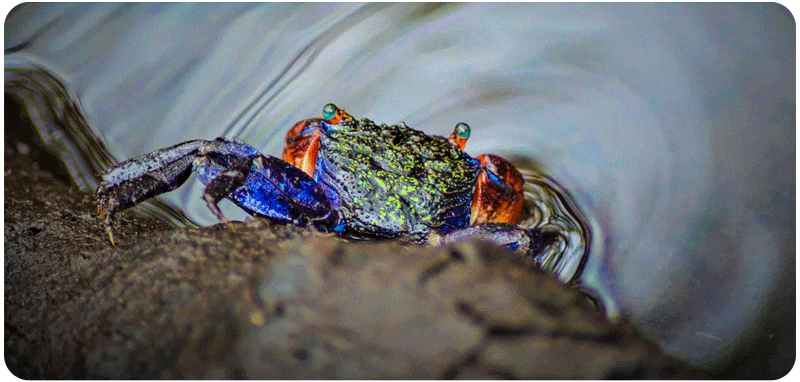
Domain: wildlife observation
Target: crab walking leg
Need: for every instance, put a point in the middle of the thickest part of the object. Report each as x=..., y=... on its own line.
x=138, y=179
x=529, y=242
x=135, y=180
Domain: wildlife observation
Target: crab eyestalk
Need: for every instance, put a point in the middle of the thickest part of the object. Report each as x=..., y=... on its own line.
x=333, y=115
x=460, y=135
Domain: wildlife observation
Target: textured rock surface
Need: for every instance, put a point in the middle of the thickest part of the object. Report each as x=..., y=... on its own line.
x=254, y=300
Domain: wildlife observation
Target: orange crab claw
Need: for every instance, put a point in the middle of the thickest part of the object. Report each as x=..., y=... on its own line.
x=302, y=145
x=302, y=140
x=498, y=196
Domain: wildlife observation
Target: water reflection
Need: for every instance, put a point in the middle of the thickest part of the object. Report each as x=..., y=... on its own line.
x=671, y=125
x=59, y=120
x=550, y=207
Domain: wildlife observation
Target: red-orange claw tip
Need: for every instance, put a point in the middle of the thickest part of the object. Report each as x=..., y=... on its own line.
x=503, y=169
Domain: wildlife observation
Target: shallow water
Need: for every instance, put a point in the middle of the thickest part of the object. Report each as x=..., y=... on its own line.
x=670, y=126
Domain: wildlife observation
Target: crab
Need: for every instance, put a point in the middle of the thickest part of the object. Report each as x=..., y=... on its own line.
x=357, y=179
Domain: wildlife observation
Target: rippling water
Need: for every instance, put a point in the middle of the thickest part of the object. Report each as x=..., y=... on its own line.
x=671, y=127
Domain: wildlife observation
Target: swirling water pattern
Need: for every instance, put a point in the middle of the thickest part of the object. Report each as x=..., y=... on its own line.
x=671, y=125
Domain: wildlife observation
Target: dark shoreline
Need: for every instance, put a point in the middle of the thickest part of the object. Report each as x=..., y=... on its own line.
x=257, y=300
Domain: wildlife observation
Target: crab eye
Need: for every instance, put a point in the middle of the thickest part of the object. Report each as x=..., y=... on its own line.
x=460, y=135
x=329, y=111
x=462, y=130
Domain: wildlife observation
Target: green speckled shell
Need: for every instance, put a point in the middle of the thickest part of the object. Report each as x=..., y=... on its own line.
x=393, y=180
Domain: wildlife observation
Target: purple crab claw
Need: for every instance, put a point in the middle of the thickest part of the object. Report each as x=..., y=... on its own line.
x=260, y=184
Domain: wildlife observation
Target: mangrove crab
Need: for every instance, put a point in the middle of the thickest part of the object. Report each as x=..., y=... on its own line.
x=354, y=178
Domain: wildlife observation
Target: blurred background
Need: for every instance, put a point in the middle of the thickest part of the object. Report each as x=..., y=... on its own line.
x=672, y=126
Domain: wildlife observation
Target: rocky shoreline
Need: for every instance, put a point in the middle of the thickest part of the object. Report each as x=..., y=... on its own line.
x=257, y=300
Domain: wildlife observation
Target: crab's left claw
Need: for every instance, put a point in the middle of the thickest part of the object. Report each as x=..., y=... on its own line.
x=498, y=196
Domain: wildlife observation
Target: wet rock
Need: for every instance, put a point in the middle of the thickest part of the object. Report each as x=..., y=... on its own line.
x=257, y=300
